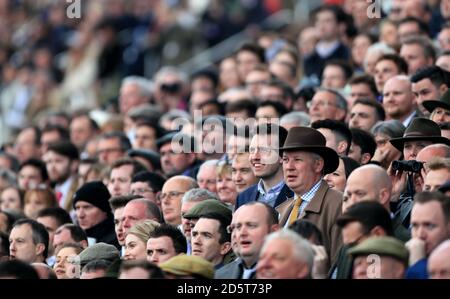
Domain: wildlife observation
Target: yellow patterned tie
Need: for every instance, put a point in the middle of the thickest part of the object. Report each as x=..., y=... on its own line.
x=295, y=210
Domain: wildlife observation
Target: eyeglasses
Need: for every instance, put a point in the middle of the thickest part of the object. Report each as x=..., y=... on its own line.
x=170, y=195
x=320, y=104
x=139, y=191
x=108, y=150
x=239, y=226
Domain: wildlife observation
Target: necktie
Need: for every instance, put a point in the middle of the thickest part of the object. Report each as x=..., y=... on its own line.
x=59, y=197
x=295, y=210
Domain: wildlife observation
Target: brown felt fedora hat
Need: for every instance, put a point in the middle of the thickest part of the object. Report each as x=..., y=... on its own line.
x=420, y=129
x=311, y=140
x=443, y=102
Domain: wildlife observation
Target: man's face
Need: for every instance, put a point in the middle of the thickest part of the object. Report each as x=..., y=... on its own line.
x=143, y=189
x=51, y=225
x=250, y=228
x=264, y=158
x=186, y=223
x=333, y=77
x=384, y=70
x=429, y=224
x=120, y=180
x=390, y=268
x=160, y=249
x=425, y=90
x=324, y=105
x=118, y=225
x=29, y=177
x=241, y=172
x=109, y=150
x=278, y=261
x=207, y=178
x=88, y=215
x=412, y=148
x=358, y=189
x=444, y=62
x=206, y=241
x=133, y=213
x=80, y=131
x=300, y=170
x=173, y=163
x=398, y=99
x=415, y=57
x=25, y=146
x=360, y=91
x=130, y=96
x=255, y=80
x=22, y=246
x=353, y=233
x=246, y=61
x=439, y=264
x=48, y=138
x=145, y=138
x=326, y=25
x=58, y=167
x=172, y=192
x=363, y=117
x=62, y=237
x=435, y=179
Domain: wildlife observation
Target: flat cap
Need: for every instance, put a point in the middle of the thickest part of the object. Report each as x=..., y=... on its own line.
x=188, y=265
x=207, y=207
x=384, y=246
x=99, y=251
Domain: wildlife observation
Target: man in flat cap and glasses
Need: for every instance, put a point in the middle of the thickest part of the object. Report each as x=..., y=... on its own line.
x=306, y=160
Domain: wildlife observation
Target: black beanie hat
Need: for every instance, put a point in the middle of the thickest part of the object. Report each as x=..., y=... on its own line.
x=94, y=193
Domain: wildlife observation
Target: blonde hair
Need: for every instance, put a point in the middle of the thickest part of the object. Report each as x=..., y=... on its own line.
x=142, y=230
x=44, y=193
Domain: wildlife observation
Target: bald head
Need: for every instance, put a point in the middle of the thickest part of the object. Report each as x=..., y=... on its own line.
x=368, y=182
x=432, y=151
x=439, y=263
x=171, y=195
x=398, y=99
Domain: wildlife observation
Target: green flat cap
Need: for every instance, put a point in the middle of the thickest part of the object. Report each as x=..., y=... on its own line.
x=188, y=265
x=384, y=246
x=99, y=251
x=206, y=207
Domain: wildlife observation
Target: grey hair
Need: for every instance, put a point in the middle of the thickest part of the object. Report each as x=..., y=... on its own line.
x=303, y=250
x=341, y=102
x=174, y=114
x=300, y=118
x=146, y=87
x=392, y=128
x=170, y=70
x=206, y=164
x=381, y=48
x=198, y=194
x=9, y=176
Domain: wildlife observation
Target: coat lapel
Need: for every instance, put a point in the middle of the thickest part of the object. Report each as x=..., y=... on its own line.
x=315, y=205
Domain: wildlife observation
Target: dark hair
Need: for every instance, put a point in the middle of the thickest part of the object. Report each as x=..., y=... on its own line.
x=96, y=265
x=76, y=232
x=247, y=105
x=159, y=131
x=11, y=218
x=4, y=244
x=36, y=163
x=62, y=131
x=177, y=237
x=208, y=73
x=12, y=160
x=272, y=214
x=154, y=272
x=379, y=110
x=18, y=270
x=339, y=129
x=343, y=65
x=400, y=63
x=307, y=229
x=117, y=202
x=278, y=106
x=39, y=233
x=254, y=48
x=436, y=75
x=137, y=166
x=59, y=214
x=423, y=27
x=364, y=140
x=85, y=114
x=124, y=142
x=425, y=197
x=224, y=222
x=270, y=128
x=213, y=101
x=65, y=148
x=153, y=179
x=349, y=165
x=37, y=133
x=365, y=79
x=287, y=90
x=425, y=43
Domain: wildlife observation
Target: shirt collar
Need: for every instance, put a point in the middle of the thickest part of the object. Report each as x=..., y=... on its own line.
x=307, y=196
x=275, y=189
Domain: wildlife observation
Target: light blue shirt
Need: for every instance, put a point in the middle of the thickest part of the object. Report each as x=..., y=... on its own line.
x=306, y=198
x=271, y=195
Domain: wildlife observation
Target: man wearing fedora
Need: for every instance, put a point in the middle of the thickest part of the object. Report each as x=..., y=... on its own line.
x=439, y=109
x=306, y=160
x=419, y=134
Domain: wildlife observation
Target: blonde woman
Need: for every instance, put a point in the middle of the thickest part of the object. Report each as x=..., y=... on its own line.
x=136, y=240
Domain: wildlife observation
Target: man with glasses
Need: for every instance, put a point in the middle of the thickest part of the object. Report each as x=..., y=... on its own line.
x=249, y=226
x=148, y=185
x=327, y=104
x=172, y=192
x=265, y=163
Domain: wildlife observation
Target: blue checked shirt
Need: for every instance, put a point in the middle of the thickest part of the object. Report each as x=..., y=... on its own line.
x=306, y=197
x=270, y=196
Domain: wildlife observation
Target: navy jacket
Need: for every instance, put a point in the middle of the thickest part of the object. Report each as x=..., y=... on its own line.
x=252, y=194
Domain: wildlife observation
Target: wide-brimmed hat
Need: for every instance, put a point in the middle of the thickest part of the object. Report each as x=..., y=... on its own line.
x=443, y=102
x=311, y=140
x=420, y=129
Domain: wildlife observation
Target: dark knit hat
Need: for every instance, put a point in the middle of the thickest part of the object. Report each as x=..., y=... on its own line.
x=94, y=193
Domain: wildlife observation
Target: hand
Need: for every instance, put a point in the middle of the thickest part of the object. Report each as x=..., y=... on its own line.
x=320, y=265
x=399, y=180
x=380, y=156
x=417, y=250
